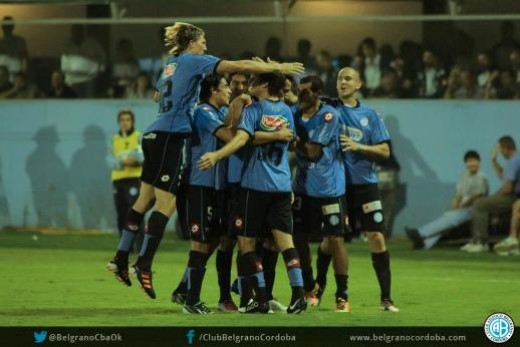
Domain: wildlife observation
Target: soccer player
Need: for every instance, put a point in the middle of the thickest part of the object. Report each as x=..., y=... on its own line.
x=364, y=138
x=319, y=185
x=166, y=142
x=127, y=159
x=265, y=198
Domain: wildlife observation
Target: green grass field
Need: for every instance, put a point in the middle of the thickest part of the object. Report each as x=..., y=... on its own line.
x=62, y=280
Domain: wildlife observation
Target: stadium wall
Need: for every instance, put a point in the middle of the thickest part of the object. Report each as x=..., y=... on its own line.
x=53, y=170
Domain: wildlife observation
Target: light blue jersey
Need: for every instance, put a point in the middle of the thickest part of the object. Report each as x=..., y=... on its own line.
x=324, y=178
x=266, y=167
x=179, y=87
x=207, y=122
x=363, y=125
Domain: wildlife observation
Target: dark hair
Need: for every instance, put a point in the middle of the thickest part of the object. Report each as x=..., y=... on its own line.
x=208, y=83
x=126, y=111
x=275, y=82
x=369, y=42
x=507, y=142
x=315, y=81
x=471, y=155
x=230, y=76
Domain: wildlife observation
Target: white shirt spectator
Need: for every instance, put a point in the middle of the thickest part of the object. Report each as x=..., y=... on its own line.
x=372, y=72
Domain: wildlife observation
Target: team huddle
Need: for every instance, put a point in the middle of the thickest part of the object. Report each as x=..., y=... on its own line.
x=219, y=153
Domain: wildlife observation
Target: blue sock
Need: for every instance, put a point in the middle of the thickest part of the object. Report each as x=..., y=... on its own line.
x=295, y=277
x=127, y=240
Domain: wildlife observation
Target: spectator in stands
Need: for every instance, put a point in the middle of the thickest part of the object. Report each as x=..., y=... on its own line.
x=387, y=56
x=327, y=73
x=59, y=89
x=431, y=77
x=390, y=86
x=140, y=89
x=273, y=49
x=484, y=69
x=5, y=85
x=500, y=202
x=372, y=64
x=406, y=76
x=507, y=44
x=502, y=85
x=304, y=56
x=472, y=185
x=462, y=84
x=22, y=88
x=82, y=60
x=153, y=65
x=510, y=245
x=125, y=68
x=13, y=49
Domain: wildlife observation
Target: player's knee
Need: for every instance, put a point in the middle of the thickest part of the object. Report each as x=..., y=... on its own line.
x=200, y=247
x=377, y=240
x=335, y=241
x=324, y=246
x=246, y=244
x=283, y=240
x=270, y=245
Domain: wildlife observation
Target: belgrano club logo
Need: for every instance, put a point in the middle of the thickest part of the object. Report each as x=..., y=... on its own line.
x=499, y=327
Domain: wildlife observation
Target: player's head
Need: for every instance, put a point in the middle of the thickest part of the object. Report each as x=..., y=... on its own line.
x=290, y=90
x=7, y=25
x=214, y=89
x=309, y=92
x=507, y=146
x=368, y=47
x=125, y=120
x=238, y=84
x=267, y=85
x=348, y=83
x=182, y=37
x=472, y=161
x=57, y=79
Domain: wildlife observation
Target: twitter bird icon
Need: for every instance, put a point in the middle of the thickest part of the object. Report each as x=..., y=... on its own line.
x=40, y=337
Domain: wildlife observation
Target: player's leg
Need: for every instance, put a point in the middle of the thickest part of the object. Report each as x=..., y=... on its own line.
x=119, y=264
x=248, y=223
x=281, y=223
x=269, y=261
x=305, y=221
x=334, y=222
x=121, y=206
x=131, y=195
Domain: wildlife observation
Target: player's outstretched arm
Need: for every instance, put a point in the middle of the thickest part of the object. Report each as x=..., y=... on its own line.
x=379, y=151
x=209, y=159
x=257, y=67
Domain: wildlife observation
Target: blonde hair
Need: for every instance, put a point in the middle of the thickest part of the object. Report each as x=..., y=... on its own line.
x=177, y=37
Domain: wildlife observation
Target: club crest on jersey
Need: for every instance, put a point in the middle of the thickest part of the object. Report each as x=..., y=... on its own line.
x=272, y=123
x=327, y=117
x=169, y=70
x=355, y=134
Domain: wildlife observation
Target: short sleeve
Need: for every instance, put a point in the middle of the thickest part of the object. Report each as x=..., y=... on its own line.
x=203, y=63
x=327, y=129
x=208, y=120
x=248, y=121
x=379, y=132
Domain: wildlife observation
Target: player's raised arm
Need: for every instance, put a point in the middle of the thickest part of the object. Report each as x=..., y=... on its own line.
x=258, y=67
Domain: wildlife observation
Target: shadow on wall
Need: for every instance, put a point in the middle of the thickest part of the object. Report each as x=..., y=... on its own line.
x=49, y=180
x=5, y=218
x=418, y=176
x=90, y=175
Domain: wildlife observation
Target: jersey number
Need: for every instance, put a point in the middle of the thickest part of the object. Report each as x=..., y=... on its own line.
x=166, y=92
x=272, y=153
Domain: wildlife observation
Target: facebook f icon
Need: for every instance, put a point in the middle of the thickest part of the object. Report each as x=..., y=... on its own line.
x=189, y=336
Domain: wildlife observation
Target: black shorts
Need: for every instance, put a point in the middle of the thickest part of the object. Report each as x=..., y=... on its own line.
x=261, y=212
x=234, y=196
x=200, y=216
x=365, y=208
x=166, y=158
x=327, y=216
x=222, y=212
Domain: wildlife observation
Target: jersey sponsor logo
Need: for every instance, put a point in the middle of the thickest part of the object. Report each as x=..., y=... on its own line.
x=272, y=123
x=355, y=134
x=330, y=209
x=327, y=117
x=169, y=70
x=165, y=178
x=372, y=206
x=364, y=121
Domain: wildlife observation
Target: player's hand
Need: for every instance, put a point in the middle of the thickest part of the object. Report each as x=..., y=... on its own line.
x=207, y=161
x=292, y=68
x=129, y=161
x=348, y=144
x=494, y=154
x=285, y=134
x=246, y=99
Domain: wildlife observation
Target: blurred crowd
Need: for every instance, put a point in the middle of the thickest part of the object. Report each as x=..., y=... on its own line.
x=411, y=70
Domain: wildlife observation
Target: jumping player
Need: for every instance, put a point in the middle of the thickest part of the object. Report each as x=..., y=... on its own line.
x=166, y=142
